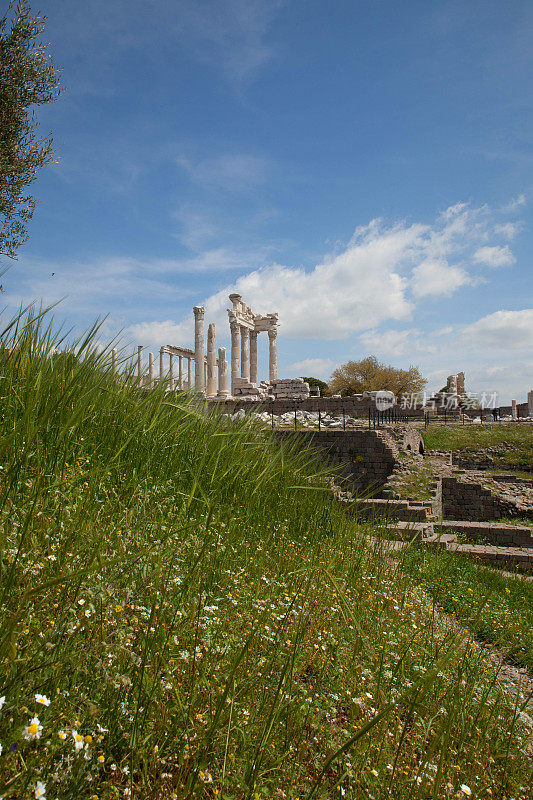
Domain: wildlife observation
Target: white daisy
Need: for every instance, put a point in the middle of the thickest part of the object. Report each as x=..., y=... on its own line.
x=33, y=730
x=42, y=699
x=40, y=790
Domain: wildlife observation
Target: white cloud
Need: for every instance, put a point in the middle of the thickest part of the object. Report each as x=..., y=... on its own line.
x=508, y=229
x=157, y=334
x=493, y=257
x=505, y=330
x=237, y=172
x=515, y=203
x=437, y=278
x=315, y=367
x=378, y=277
x=410, y=342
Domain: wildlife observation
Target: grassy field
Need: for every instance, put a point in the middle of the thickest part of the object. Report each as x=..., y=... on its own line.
x=495, y=607
x=184, y=613
x=464, y=437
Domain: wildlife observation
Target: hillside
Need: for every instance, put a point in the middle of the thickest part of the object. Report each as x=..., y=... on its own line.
x=184, y=613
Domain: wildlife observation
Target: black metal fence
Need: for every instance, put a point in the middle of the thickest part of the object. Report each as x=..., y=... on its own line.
x=377, y=419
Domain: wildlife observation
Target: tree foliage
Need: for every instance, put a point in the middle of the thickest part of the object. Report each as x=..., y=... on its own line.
x=370, y=375
x=28, y=78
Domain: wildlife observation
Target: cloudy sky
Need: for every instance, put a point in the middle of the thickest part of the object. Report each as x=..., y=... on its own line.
x=363, y=168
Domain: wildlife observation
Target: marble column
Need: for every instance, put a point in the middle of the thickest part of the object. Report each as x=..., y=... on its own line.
x=180, y=372
x=272, y=355
x=253, y=357
x=171, y=372
x=205, y=372
x=211, y=361
x=223, y=383
x=189, y=373
x=530, y=403
x=234, y=328
x=513, y=409
x=161, y=365
x=199, y=346
x=151, y=375
x=245, y=353
x=140, y=364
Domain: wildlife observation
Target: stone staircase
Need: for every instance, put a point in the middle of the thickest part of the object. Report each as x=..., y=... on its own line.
x=509, y=546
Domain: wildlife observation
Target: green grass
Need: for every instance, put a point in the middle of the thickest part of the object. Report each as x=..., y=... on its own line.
x=203, y=621
x=459, y=437
x=416, y=484
x=496, y=608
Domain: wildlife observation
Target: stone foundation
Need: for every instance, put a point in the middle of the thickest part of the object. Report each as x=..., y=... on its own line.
x=365, y=458
x=470, y=501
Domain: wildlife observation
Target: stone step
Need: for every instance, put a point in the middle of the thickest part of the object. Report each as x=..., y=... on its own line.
x=410, y=530
x=495, y=533
x=512, y=557
x=385, y=508
x=441, y=540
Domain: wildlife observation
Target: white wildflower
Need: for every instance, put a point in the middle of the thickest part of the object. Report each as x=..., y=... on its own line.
x=33, y=730
x=40, y=790
x=42, y=699
x=78, y=740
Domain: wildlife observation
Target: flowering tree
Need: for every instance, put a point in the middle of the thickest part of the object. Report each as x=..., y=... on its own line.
x=370, y=375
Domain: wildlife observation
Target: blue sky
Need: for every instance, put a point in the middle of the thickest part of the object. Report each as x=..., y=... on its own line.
x=363, y=168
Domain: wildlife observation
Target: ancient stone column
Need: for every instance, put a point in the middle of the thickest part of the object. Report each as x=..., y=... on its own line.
x=114, y=360
x=171, y=372
x=513, y=409
x=189, y=373
x=245, y=353
x=180, y=372
x=530, y=403
x=460, y=383
x=151, y=375
x=161, y=365
x=272, y=355
x=140, y=364
x=234, y=328
x=253, y=357
x=199, y=378
x=223, y=384
x=211, y=361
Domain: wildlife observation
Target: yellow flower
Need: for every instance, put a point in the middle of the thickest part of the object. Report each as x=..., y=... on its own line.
x=118, y=608
x=101, y=758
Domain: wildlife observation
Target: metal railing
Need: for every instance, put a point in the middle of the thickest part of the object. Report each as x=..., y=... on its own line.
x=373, y=419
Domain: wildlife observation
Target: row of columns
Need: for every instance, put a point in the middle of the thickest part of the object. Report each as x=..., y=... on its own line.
x=163, y=376
x=244, y=354
x=207, y=368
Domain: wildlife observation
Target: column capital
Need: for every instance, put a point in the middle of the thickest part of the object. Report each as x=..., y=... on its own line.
x=272, y=333
x=199, y=312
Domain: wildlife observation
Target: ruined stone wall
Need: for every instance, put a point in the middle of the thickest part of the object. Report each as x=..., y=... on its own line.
x=332, y=405
x=365, y=458
x=471, y=501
